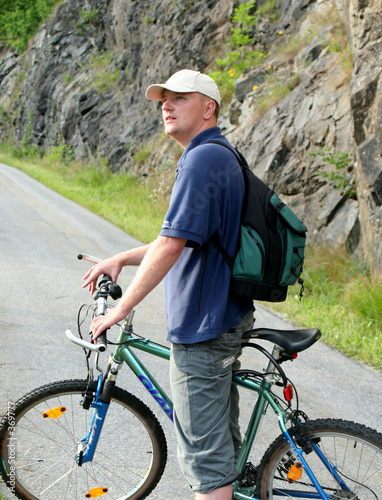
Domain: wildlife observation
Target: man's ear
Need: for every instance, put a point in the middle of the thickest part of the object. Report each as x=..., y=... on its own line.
x=209, y=109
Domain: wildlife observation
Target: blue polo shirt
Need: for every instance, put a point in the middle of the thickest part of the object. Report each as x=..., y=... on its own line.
x=207, y=196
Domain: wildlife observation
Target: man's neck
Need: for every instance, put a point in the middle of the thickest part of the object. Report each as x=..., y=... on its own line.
x=185, y=141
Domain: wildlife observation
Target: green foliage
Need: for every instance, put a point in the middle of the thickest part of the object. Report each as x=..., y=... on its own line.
x=105, y=74
x=142, y=155
x=342, y=167
x=241, y=57
x=26, y=148
x=67, y=79
x=363, y=295
x=62, y=153
x=21, y=19
x=277, y=89
x=241, y=40
x=269, y=10
x=245, y=18
x=87, y=19
x=342, y=298
x=337, y=42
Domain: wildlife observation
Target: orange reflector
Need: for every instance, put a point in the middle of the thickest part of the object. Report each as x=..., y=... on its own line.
x=96, y=492
x=54, y=412
x=295, y=473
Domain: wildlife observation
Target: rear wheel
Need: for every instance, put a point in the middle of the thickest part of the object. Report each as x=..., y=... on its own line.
x=39, y=438
x=353, y=451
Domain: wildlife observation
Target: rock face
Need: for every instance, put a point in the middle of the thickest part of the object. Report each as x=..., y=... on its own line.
x=82, y=81
x=364, y=24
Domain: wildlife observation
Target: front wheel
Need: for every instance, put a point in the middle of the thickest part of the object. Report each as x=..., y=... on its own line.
x=39, y=437
x=345, y=457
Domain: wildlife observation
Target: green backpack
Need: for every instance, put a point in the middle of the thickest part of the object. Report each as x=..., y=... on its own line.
x=271, y=244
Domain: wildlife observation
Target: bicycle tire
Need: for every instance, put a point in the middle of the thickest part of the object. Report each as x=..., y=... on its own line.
x=38, y=454
x=356, y=451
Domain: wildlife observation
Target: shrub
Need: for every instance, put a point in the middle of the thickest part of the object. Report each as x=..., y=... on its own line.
x=341, y=170
x=242, y=56
x=21, y=19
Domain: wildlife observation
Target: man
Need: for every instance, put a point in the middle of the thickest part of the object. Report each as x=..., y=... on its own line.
x=205, y=323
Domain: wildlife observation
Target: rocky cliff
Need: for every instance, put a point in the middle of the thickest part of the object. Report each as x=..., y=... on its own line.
x=308, y=119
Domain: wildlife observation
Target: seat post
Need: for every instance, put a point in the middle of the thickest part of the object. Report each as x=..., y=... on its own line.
x=272, y=374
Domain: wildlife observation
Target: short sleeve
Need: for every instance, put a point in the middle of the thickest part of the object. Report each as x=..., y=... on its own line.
x=194, y=211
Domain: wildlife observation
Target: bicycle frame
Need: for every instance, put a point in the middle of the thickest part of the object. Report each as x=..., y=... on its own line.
x=123, y=353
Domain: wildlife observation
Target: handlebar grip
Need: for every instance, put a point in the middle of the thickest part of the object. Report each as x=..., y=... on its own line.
x=105, y=278
x=101, y=341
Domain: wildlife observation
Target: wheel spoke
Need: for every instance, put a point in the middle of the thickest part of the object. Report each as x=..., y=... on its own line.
x=346, y=459
x=46, y=448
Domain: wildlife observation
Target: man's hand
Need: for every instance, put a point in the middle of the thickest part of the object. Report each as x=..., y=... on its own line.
x=102, y=323
x=111, y=266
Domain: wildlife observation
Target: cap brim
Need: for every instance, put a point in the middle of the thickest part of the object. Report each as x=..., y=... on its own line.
x=155, y=91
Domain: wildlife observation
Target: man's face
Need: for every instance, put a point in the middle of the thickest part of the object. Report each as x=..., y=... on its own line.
x=183, y=115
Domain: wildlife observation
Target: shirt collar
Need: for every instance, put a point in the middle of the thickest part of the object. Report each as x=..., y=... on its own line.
x=203, y=137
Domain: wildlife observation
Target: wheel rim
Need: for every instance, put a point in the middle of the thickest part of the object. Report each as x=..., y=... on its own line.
x=41, y=452
x=357, y=461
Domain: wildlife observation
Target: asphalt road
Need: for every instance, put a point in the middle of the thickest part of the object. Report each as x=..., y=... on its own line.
x=41, y=235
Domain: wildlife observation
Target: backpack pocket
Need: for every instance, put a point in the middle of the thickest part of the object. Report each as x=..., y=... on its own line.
x=250, y=260
x=293, y=236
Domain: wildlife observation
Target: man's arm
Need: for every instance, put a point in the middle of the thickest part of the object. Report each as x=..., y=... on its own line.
x=114, y=265
x=158, y=260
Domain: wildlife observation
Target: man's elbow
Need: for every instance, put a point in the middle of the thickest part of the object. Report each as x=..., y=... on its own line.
x=173, y=246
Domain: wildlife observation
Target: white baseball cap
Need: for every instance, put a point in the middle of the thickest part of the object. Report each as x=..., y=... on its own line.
x=185, y=81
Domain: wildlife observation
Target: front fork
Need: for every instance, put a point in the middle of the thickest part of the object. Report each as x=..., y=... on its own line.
x=86, y=447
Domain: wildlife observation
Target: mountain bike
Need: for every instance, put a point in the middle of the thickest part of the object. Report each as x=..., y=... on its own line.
x=76, y=439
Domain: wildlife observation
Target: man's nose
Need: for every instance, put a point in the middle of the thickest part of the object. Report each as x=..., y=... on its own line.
x=167, y=105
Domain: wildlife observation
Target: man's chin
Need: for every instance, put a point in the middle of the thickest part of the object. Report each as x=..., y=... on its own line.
x=170, y=132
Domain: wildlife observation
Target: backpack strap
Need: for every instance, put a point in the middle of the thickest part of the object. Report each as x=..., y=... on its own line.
x=242, y=161
x=226, y=256
x=214, y=238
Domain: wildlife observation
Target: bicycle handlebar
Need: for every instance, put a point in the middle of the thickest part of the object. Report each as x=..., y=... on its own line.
x=101, y=341
x=106, y=288
x=90, y=258
x=83, y=343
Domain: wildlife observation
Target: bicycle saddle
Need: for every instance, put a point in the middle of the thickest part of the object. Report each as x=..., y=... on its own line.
x=292, y=341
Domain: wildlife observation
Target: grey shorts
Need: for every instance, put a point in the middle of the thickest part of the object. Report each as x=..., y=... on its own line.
x=206, y=408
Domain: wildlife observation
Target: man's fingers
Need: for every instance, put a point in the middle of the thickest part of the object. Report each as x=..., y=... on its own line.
x=90, y=279
x=95, y=328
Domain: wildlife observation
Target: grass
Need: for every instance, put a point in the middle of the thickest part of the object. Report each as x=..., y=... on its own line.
x=104, y=74
x=276, y=90
x=341, y=296
x=344, y=300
